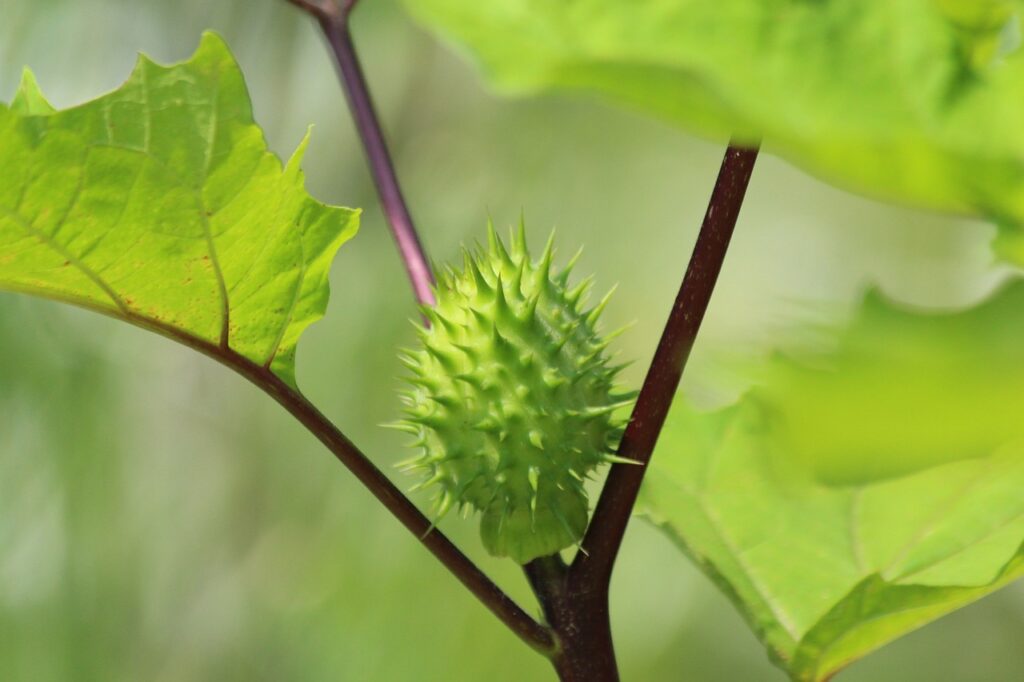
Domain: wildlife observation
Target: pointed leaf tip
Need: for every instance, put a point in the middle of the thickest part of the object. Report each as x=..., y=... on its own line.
x=28, y=99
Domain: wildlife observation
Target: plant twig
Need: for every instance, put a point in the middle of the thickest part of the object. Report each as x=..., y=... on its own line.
x=334, y=22
x=575, y=598
x=526, y=628
x=333, y=19
x=594, y=563
x=580, y=620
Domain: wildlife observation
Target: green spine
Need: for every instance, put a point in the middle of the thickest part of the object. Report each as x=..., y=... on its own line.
x=513, y=400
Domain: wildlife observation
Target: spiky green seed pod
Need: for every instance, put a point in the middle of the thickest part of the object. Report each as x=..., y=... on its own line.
x=513, y=402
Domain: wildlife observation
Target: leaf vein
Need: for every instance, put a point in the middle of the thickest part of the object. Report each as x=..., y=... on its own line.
x=70, y=257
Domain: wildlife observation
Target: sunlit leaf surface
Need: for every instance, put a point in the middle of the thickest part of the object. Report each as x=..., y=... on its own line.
x=159, y=204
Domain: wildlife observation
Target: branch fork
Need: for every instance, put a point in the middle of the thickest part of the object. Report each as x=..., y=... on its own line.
x=576, y=634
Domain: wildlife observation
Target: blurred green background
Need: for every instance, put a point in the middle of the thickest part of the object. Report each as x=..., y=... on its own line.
x=161, y=520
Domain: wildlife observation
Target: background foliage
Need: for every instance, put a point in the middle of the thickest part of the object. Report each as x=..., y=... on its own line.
x=912, y=101
x=860, y=491
x=159, y=519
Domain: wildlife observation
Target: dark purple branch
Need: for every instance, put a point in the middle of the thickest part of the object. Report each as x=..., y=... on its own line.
x=580, y=620
x=334, y=21
x=333, y=18
x=517, y=620
x=531, y=632
x=593, y=565
x=574, y=599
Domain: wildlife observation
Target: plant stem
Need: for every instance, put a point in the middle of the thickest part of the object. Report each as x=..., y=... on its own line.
x=594, y=563
x=580, y=619
x=526, y=628
x=380, y=486
x=334, y=22
x=575, y=599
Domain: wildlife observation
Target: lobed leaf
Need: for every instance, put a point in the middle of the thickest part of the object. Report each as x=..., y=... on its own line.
x=160, y=204
x=908, y=100
x=858, y=494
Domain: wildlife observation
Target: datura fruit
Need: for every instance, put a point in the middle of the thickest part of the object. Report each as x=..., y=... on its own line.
x=513, y=402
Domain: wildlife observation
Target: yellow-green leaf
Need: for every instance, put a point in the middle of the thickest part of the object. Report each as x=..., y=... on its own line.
x=160, y=204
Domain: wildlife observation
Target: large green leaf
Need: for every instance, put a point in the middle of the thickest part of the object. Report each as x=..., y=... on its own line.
x=159, y=204
x=859, y=493
x=910, y=100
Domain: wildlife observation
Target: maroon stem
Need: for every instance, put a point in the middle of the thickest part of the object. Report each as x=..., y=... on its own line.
x=334, y=21
x=580, y=620
x=593, y=564
x=387, y=493
x=574, y=598
x=526, y=628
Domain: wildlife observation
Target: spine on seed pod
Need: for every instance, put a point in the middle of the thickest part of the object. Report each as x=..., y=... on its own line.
x=512, y=398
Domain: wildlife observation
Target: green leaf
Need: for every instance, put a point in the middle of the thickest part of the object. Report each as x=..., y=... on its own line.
x=857, y=494
x=29, y=100
x=159, y=204
x=916, y=101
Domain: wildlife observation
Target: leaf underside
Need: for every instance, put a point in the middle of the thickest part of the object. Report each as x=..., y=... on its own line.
x=160, y=204
x=857, y=494
x=914, y=101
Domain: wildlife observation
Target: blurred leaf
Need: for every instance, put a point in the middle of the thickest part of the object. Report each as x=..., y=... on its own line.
x=914, y=100
x=861, y=493
x=159, y=204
